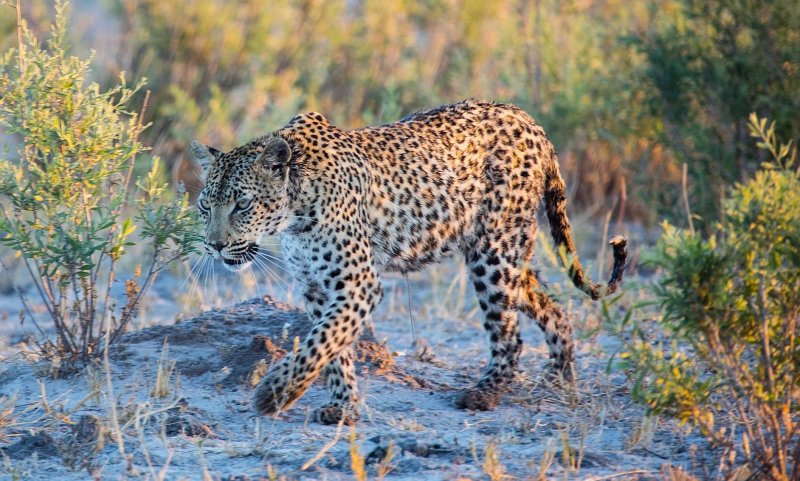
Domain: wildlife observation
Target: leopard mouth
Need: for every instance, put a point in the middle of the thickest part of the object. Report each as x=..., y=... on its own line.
x=243, y=258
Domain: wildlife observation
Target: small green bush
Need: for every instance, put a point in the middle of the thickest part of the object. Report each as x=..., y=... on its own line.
x=71, y=209
x=729, y=360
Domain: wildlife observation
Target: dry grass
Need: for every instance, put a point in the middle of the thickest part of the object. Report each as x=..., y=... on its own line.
x=642, y=433
x=357, y=461
x=385, y=466
x=491, y=462
x=676, y=473
x=165, y=370
x=7, y=418
x=543, y=466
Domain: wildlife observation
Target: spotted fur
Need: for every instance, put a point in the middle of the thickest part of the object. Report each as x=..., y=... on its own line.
x=350, y=204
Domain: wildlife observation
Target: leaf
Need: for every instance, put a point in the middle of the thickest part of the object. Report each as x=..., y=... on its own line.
x=127, y=228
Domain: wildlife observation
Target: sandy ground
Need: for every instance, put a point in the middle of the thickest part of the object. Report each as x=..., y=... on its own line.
x=203, y=428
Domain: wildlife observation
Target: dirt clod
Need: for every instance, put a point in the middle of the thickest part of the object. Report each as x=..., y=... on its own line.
x=40, y=443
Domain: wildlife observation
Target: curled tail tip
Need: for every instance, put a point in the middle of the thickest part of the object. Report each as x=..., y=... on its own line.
x=618, y=241
x=619, y=245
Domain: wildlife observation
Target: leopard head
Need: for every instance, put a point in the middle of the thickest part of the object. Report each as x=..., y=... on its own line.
x=245, y=197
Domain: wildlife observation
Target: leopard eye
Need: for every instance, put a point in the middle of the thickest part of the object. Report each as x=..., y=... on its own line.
x=202, y=204
x=243, y=204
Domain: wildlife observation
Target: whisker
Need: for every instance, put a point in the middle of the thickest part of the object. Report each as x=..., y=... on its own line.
x=191, y=271
x=284, y=283
x=216, y=288
x=266, y=270
x=274, y=248
x=268, y=281
x=271, y=277
x=255, y=281
x=267, y=255
x=271, y=254
x=197, y=283
x=275, y=262
x=269, y=250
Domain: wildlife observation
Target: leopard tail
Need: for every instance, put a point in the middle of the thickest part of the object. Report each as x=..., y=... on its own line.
x=555, y=199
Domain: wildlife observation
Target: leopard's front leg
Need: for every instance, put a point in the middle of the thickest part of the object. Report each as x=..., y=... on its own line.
x=286, y=382
x=352, y=294
x=340, y=373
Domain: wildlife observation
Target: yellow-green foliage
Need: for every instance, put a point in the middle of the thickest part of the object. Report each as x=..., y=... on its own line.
x=70, y=204
x=730, y=308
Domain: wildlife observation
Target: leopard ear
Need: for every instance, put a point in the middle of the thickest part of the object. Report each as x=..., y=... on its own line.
x=275, y=156
x=205, y=156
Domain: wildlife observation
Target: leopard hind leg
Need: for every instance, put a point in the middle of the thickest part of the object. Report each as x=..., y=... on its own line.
x=557, y=329
x=495, y=277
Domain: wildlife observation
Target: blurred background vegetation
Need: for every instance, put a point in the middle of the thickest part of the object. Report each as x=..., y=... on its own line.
x=628, y=91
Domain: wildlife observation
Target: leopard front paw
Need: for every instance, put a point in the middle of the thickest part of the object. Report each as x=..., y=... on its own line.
x=281, y=387
x=330, y=414
x=277, y=390
x=270, y=395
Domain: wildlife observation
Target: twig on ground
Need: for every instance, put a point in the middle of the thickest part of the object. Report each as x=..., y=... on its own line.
x=617, y=475
x=324, y=448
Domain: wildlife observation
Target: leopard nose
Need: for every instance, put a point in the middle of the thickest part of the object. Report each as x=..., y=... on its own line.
x=216, y=245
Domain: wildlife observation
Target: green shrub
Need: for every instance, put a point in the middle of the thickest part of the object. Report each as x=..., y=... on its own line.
x=729, y=360
x=71, y=209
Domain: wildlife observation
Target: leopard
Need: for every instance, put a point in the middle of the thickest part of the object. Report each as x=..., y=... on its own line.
x=350, y=205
